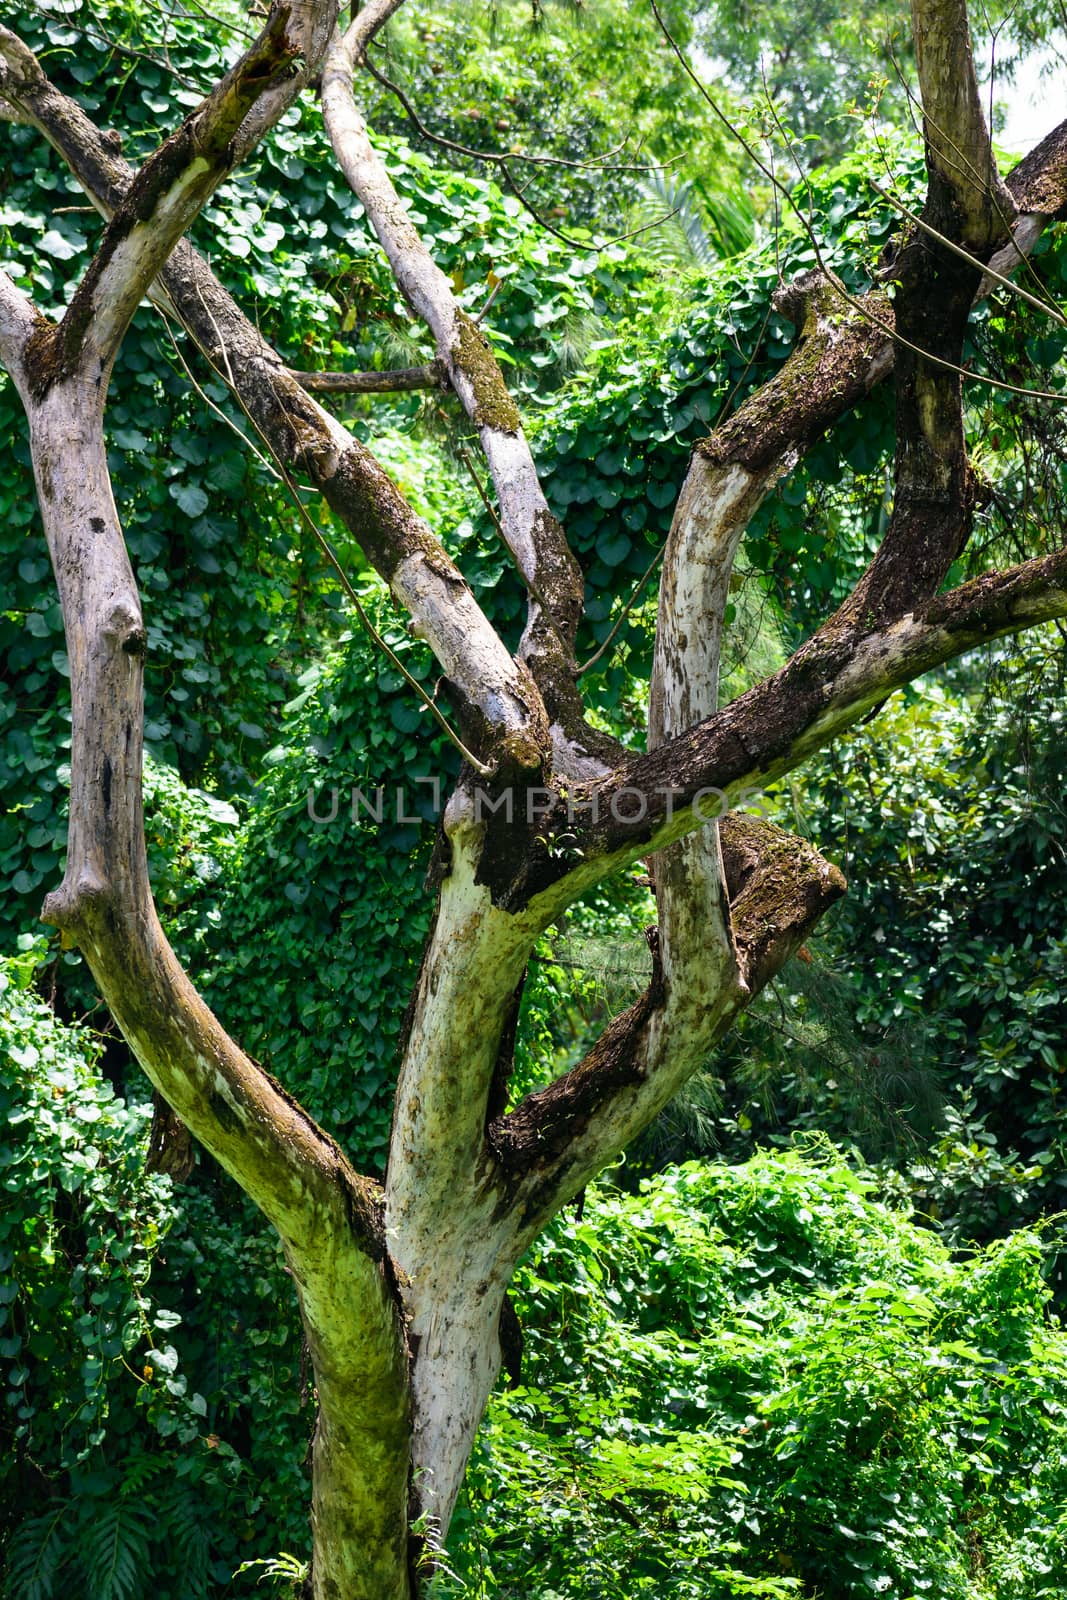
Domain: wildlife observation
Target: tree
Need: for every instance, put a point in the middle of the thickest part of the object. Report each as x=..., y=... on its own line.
x=402, y=1285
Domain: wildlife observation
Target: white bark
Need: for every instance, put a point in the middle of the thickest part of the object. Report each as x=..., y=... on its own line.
x=18, y=319
x=454, y=1297
x=451, y=1234
x=325, y=1215
x=701, y=976
x=473, y=964
x=528, y=527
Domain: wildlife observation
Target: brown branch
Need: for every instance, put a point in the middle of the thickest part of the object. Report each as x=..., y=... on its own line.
x=558, y=1138
x=429, y=376
x=779, y=887
x=826, y=687
x=967, y=206
x=160, y=204
x=1039, y=182
x=834, y=680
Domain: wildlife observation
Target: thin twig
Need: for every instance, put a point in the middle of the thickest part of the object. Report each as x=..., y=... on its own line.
x=987, y=271
x=598, y=164
x=625, y=612
x=831, y=277
x=501, y=160
x=464, y=456
x=532, y=588
x=494, y=291
x=428, y=376
x=342, y=576
x=249, y=444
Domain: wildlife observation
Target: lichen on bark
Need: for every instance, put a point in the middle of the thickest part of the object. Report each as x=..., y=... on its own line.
x=493, y=405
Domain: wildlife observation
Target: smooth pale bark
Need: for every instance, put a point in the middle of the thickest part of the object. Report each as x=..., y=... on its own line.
x=402, y=1289
x=329, y=1219
x=533, y=534
x=536, y=540
x=451, y=1239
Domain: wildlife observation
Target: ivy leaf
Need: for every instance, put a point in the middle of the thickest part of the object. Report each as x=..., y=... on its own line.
x=62, y=246
x=192, y=499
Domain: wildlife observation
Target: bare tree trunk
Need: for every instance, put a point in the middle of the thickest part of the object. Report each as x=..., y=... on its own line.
x=401, y=1287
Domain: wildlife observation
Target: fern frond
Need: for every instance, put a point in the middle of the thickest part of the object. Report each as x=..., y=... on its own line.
x=35, y=1554
x=693, y=229
x=113, y=1551
x=138, y=1470
x=181, y=1527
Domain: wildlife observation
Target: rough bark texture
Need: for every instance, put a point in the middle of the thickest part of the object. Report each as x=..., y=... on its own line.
x=551, y=1145
x=402, y=1289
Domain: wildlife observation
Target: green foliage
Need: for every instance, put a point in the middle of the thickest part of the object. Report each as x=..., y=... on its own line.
x=732, y=1375
x=284, y=1568
x=614, y=450
x=100, y=1427
x=81, y=1221
x=584, y=83
x=236, y=597
x=323, y=912
x=826, y=69
x=814, y=78
x=189, y=834
x=155, y=1421
x=757, y=1380
x=926, y=1023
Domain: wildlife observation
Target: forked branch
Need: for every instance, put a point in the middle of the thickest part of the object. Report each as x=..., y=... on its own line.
x=533, y=535
x=160, y=204
x=559, y=1138
x=397, y=543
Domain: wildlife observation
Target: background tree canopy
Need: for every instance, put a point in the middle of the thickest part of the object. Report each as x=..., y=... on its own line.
x=807, y=1340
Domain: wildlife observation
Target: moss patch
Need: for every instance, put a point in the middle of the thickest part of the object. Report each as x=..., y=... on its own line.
x=493, y=406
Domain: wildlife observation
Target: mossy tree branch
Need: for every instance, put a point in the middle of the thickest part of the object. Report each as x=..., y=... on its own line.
x=533, y=534
x=558, y=1138
x=397, y=543
x=159, y=205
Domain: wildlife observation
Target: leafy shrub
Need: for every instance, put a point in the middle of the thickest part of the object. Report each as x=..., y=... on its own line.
x=759, y=1381
x=151, y=1430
